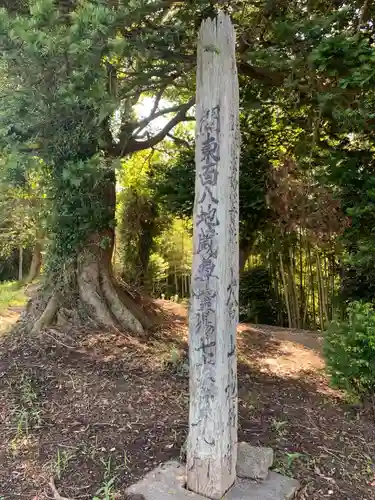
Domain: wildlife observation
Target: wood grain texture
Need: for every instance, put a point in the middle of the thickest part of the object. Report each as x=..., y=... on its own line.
x=213, y=315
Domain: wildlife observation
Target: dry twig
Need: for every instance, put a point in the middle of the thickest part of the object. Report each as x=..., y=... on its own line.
x=56, y=494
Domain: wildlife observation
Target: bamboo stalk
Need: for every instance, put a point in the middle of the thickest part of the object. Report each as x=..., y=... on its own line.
x=326, y=285
x=305, y=310
x=301, y=288
x=293, y=290
x=333, y=272
x=324, y=293
x=183, y=286
x=285, y=291
x=320, y=291
x=312, y=284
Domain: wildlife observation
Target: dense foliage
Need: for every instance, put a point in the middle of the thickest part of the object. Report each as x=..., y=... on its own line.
x=350, y=351
x=72, y=72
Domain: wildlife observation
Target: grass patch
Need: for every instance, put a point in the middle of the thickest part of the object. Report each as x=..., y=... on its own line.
x=27, y=414
x=61, y=461
x=11, y=295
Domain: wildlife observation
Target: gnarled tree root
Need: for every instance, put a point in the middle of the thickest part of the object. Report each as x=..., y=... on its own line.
x=47, y=316
x=97, y=300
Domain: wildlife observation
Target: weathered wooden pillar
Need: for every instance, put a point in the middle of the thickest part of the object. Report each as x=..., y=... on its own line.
x=213, y=316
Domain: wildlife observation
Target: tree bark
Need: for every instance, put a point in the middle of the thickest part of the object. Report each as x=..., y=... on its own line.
x=98, y=291
x=36, y=262
x=89, y=291
x=20, y=263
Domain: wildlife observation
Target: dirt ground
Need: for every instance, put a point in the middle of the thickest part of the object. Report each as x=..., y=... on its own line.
x=96, y=410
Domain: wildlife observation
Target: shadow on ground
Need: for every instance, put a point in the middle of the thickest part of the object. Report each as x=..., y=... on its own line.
x=103, y=408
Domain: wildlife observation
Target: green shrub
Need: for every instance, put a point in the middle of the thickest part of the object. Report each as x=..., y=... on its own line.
x=350, y=351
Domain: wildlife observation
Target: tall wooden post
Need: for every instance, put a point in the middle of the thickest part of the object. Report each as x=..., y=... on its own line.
x=213, y=316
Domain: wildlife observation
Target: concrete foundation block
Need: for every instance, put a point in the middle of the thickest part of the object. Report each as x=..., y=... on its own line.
x=168, y=481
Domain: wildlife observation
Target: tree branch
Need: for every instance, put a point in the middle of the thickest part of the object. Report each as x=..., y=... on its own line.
x=266, y=76
x=130, y=145
x=179, y=141
x=158, y=97
x=143, y=123
x=362, y=14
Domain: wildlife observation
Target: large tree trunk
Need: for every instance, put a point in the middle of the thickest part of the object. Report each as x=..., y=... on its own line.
x=36, y=262
x=88, y=291
x=99, y=292
x=20, y=263
x=146, y=239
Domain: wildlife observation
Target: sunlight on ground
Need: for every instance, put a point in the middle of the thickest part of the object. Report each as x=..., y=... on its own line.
x=287, y=360
x=283, y=353
x=100, y=400
x=7, y=321
x=292, y=359
x=11, y=295
x=12, y=300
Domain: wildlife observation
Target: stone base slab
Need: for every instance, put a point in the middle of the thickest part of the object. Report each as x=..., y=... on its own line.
x=168, y=481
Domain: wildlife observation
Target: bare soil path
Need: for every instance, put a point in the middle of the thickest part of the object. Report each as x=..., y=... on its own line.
x=98, y=409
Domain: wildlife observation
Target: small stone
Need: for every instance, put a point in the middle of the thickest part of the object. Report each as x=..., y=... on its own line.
x=253, y=462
